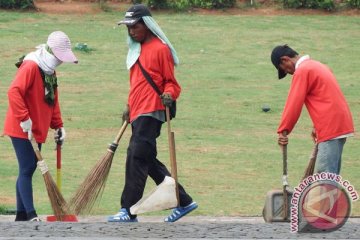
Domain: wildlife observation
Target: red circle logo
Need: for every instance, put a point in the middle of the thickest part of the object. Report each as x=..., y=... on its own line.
x=325, y=206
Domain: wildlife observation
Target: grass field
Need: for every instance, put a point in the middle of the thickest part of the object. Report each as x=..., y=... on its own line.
x=226, y=146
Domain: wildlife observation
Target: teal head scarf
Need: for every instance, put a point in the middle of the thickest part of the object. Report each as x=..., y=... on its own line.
x=135, y=47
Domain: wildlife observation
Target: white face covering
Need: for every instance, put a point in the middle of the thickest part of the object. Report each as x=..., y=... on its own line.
x=45, y=60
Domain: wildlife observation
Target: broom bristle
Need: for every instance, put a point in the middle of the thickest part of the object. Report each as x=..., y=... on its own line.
x=58, y=203
x=92, y=187
x=310, y=169
x=311, y=165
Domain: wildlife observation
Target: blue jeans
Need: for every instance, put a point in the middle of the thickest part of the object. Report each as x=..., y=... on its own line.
x=329, y=156
x=27, y=164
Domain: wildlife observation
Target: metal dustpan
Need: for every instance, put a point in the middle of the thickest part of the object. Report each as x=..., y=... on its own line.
x=274, y=206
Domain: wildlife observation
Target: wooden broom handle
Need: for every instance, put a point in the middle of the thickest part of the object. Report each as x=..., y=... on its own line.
x=285, y=195
x=171, y=138
x=284, y=153
x=167, y=111
x=171, y=145
x=36, y=149
x=174, y=167
x=121, y=132
x=58, y=166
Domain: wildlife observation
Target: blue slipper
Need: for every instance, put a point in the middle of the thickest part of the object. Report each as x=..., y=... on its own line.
x=121, y=216
x=179, y=212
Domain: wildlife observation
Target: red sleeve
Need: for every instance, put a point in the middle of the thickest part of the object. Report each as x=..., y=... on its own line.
x=167, y=64
x=56, y=120
x=18, y=89
x=294, y=103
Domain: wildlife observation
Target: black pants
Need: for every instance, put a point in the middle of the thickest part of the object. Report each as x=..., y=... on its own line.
x=141, y=162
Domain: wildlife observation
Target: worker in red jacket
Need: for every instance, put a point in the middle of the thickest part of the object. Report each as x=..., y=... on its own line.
x=314, y=85
x=150, y=49
x=33, y=109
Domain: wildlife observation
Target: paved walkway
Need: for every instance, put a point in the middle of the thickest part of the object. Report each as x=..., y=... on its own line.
x=96, y=227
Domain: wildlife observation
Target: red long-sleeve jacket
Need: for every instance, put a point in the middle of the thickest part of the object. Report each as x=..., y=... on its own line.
x=26, y=97
x=314, y=84
x=157, y=60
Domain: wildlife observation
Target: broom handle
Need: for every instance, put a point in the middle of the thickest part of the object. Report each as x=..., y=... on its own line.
x=171, y=150
x=171, y=138
x=285, y=183
x=40, y=161
x=174, y=166
x=36, y=149
x=58, y=166
x=121, y=132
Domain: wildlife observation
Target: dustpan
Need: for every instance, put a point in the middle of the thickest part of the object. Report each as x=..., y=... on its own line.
x=162, y=197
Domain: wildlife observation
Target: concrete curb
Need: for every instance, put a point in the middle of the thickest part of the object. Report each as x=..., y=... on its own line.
x=153, y=227
x=157, y=219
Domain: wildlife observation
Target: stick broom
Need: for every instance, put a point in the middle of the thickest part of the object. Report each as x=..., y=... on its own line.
x=93, y=185
x=311, y=165
x=57, y=201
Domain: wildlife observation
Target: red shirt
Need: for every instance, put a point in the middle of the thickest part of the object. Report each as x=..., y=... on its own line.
x=26, y=96
x=314, y=84
x=157, y=60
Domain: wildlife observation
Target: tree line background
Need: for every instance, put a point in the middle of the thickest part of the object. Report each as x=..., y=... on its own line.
x=181, y=5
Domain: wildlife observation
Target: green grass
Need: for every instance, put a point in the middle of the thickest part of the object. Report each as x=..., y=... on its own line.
x=226, y=146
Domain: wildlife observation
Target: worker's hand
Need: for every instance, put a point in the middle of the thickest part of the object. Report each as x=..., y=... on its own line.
x=283, y=139
x=59, y=135
x=313, y=135
x=27, y=127
x=126, y=114
x=167, y=100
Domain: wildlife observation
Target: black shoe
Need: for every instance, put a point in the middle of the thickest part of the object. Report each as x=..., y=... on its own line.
x=21, y=216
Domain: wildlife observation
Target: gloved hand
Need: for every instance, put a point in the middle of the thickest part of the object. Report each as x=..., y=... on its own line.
x=126, y=114
x=167, y=100
x=59, y=135
x=27, y=127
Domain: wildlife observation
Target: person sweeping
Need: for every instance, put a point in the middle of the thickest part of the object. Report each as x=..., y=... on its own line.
x=150, y=53
x=314, y=85
x=33, y=109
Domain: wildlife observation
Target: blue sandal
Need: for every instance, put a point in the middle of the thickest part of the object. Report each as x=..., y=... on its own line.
x=179, y=212
x=121, y=216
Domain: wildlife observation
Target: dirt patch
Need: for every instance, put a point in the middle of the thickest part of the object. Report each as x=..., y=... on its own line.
x=67, y=7
x=78, y=7
x=7, y=200
x=92, y=7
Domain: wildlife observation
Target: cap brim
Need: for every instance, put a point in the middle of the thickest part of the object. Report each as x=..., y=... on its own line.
x=129, y=21
x=65, y=56
x=281, y=73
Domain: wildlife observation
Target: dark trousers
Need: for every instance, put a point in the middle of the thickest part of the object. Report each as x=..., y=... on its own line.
x=27, y=164
x=142, y=162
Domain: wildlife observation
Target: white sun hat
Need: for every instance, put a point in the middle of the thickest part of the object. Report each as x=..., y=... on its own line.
x=60, y=45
